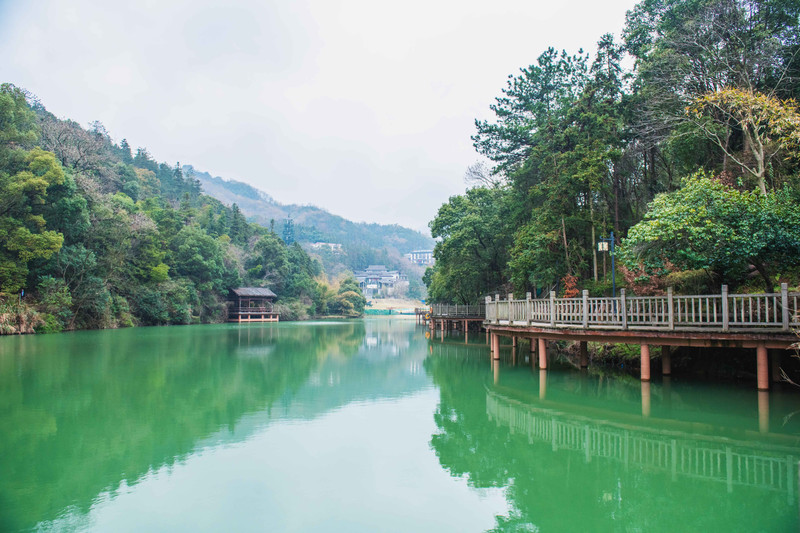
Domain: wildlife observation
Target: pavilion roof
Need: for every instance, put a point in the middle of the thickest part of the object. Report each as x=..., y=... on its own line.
x=262, y=292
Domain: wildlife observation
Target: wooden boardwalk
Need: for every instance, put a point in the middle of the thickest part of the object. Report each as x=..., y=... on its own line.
x=759, y=321
x=447, y=317
x=774, y=313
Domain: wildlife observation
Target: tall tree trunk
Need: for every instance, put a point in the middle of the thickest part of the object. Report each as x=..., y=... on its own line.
x=769, y=285
x=594, y=238
x=594, y=252
x=566, y=247
x=616, y=198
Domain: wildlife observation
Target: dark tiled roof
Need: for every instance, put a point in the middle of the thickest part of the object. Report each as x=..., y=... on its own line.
x=254, y=291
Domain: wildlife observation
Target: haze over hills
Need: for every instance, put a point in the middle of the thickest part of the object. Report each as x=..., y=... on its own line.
x=311, y=223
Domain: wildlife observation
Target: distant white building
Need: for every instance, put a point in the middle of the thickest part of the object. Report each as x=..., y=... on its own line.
x=421, y=257
x=332, y=246
x=376, y=281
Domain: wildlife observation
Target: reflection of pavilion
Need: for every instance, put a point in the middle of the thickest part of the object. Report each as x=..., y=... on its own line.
x=683, y=454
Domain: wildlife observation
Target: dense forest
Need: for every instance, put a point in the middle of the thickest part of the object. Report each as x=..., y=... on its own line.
x=95, y=235
x=682, y=138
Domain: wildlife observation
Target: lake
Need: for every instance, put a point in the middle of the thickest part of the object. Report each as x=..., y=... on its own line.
x=370, y=426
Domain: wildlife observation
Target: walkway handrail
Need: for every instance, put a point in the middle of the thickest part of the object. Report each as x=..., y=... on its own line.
x=723, y=312
x=458, y=311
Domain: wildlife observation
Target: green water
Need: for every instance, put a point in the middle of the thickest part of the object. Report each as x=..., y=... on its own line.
x=369, y=426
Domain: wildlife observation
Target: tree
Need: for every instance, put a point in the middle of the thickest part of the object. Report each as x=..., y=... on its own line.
x=270, y=262
x=350, y=300
x=768, y=126
x=685, y=49
x=709, y=225
x=74, y=147
x=199, y=257
x=23, y=233
x=530, y=101
x=18, y=128
x=471, y=258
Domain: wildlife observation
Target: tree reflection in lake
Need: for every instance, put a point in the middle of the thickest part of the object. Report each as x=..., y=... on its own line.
x=81, y=412
x=578, y=451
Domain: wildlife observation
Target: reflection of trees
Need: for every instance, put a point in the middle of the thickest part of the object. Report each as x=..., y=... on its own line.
x=81, y=412
x=553, y=489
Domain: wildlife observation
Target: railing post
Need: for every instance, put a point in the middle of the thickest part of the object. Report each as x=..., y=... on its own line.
x=497, y=309
x=510, y=309
x=585, y=309
x=528, y=310
x=671, y=308
x=552, y=309
x=725, y=317
x=785, y=305
x=624, y=310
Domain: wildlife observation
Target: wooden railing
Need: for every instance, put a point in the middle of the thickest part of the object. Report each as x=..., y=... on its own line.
x=251, y=309
x=725, y=312
x=458, y=311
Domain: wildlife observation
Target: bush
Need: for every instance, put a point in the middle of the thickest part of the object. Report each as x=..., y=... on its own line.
x=291, y=310
x=55, y=303
x=16, y=317
x=50, y=324
x=691, y=282
x=149, y=307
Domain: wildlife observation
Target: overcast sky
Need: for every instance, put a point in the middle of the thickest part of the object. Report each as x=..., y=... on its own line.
x=362, y=107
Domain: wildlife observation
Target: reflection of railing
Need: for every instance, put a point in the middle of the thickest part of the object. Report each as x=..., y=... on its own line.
x=721, y=312
x=680, y=454
x=458, y=311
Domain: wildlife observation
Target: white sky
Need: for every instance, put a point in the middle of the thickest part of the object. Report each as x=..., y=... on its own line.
x=361, y=107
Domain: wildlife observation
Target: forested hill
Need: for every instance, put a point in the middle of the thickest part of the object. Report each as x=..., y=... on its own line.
x=312, y=223
x=95, y=235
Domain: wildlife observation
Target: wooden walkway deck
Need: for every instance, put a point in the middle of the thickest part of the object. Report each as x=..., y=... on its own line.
x=760, y=321
x=448, y=317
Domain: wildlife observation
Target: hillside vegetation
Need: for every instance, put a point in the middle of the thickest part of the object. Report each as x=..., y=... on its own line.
x=94, y=235
x=363, y=244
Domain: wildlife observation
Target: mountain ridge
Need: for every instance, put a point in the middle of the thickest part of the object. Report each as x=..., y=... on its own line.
x=312, y=223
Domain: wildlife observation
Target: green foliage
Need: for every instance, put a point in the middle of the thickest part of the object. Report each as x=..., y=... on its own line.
x=56, y=301
x=17, y=121
x=691, y=282
x=471, y=258
x=23, y=233
x=199, y=257
x=350, y=300
x=269, y=263
x=708, y=225
x=292, y=309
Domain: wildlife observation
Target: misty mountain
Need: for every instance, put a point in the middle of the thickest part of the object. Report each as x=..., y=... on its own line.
x=311, y=223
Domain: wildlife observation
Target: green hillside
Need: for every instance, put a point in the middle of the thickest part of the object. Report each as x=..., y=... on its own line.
x=95, y=235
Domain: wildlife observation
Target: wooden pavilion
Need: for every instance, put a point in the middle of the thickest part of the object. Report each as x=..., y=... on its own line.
x=252, y=304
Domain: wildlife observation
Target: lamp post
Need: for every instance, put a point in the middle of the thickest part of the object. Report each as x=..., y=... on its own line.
x=607, y=245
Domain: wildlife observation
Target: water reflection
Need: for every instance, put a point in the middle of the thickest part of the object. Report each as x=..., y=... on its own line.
x=90, y=413
x=586, y=451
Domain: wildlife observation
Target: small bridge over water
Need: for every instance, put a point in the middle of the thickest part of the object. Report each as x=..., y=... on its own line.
x=759, y=321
